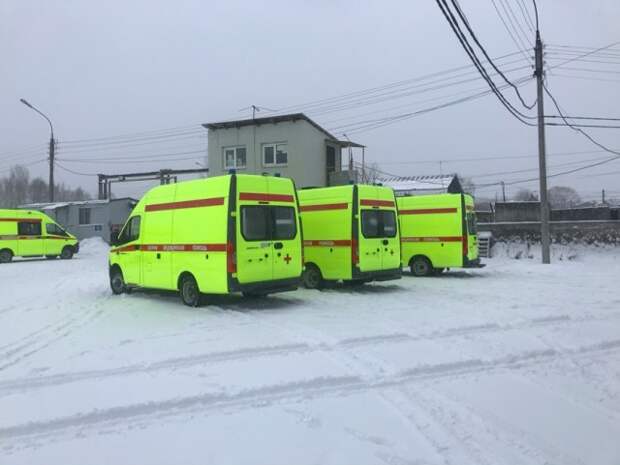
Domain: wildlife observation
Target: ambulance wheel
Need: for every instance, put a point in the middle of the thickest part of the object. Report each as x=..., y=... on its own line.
x=117, y=282
x=421, y=266
x=190, y=294
x=67, y=253
x=6, y=256
x=312, y=277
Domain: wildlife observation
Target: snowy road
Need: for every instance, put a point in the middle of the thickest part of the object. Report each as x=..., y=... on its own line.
x=513, y=364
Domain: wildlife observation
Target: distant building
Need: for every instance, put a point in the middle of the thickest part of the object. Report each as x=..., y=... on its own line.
x=88, y=218
x=292, y=145
x=423, y=185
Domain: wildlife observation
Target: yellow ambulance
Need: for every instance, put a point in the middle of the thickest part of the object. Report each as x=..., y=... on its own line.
x=233, y=233
x=350, y=234
x=26, y=233
x=438, y=232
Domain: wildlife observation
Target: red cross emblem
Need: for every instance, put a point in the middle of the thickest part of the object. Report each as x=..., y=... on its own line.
x=287, y=259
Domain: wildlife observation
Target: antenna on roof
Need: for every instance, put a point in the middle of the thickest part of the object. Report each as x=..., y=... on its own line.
x=255, y=109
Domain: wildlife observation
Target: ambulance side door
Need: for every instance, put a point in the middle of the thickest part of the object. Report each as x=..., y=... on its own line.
x=30, y=241
x=128, y=252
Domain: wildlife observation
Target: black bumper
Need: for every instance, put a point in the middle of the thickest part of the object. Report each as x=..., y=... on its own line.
x=473, y=263
x=76, y=247
x=377, y=275
x=264, y=287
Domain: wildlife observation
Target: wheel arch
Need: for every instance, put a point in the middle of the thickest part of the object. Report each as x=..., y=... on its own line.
x=182, y=275
x=420, y=255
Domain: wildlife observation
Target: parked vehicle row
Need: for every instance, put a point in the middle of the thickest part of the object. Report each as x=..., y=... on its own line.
x=259, y=235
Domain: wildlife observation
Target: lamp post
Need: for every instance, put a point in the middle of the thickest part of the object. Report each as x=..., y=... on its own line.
x=52, y=144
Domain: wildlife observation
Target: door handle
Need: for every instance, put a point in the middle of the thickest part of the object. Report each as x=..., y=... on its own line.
x=278, y=245
x=158, y=256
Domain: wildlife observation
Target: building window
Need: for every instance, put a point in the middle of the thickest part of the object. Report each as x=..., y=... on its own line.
x=275, y=155
x=234, y=157
x=84, y=216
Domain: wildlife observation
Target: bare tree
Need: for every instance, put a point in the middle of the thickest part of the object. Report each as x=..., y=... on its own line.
x=17, y=189
x=468, y=185
x=563, y=197
x=525, y=195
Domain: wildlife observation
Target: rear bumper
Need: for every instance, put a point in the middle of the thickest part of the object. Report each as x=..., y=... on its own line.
x=378, y=275
x=270, y=287
x=476, y=263
x=76, y=247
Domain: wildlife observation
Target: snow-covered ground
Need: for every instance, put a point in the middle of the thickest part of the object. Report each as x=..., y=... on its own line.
x=517, y=363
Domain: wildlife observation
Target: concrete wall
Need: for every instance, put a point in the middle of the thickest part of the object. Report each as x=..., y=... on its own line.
x=517, y=211
x=561, y=231
x=584, y=214
x=306, y=150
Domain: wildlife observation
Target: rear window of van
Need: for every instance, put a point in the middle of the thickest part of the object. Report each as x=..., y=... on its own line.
x=378, y=223
x=267, y=222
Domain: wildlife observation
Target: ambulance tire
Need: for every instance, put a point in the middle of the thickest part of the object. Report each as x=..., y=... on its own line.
x=117, y=281
x=312, y=277
x=188, y=289
x=421, y=266
x=6, y=256
x=67, y=252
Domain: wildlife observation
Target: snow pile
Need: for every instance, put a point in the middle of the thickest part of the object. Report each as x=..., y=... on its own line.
x=93, y=246
x=515, y=363
x=523, y=250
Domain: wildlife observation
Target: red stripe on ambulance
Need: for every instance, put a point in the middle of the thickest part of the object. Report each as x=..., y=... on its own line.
x=376, y=203
x=427, y=211
x=173, y=248
x=432, y=239
x=261, y=197
x=328, y=243
x=21, y=220
x=327, y=206
x=185, y=204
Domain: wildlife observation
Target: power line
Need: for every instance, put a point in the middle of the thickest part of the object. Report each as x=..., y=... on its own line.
x=470, y=52
x=516, y=42
x=486, y=55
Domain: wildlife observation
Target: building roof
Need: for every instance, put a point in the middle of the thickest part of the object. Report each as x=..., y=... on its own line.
x=404, y=185
x=56, y=205
x=275, y=120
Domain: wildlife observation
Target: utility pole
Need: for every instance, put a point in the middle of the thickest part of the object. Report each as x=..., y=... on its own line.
x=542, y=163
x=603, y=196
x=503, y=191
x=51, y=149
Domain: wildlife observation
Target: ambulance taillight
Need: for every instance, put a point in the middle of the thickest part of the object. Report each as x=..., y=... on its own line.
x=231, y=258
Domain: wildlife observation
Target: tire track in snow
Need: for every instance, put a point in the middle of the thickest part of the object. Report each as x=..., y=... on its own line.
x=123, y=416
x=48, y=335
x=257, y=352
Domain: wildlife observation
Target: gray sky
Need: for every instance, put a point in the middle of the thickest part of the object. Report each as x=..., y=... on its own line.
x=102, y=69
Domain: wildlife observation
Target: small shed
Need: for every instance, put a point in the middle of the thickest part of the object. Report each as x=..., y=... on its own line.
x=88, y=218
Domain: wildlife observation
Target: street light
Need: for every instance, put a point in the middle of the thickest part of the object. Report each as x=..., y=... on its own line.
x=52, y=144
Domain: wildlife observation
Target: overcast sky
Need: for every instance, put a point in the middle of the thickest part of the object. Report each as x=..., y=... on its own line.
x=101, y=69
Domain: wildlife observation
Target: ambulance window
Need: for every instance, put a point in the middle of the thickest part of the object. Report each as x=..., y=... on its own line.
x=255, y=223
x=389, y=224
x=131, y=231
x=471, y=223
x=284, y=226
x=29, y=228
x=370, y=223
x=55, y=230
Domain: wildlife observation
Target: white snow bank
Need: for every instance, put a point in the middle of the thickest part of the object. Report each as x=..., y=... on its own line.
x=93, y=246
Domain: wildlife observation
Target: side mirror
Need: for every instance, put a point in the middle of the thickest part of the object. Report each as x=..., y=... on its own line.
x=114, y=238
